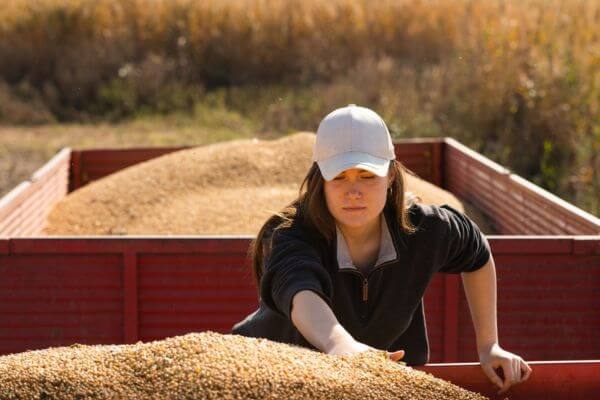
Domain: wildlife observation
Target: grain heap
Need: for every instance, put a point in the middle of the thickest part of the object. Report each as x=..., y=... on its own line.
x=227, y=188
x=210, y=365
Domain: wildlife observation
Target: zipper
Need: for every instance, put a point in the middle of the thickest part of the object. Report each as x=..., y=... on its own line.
x=365, y=286
x=365, y=279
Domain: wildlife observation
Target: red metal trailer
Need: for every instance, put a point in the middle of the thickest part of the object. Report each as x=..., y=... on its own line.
x=99, y=290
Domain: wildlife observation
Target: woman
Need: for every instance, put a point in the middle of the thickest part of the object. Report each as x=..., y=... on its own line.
x=343, y=269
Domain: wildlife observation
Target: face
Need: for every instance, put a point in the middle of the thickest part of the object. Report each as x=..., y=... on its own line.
x=356, y=197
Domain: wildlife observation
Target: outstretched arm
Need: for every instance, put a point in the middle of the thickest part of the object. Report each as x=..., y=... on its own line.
x=318, y=324
x=480, y=290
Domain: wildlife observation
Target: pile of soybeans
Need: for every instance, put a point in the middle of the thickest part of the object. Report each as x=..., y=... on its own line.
x=210, y=365
x=226, y=188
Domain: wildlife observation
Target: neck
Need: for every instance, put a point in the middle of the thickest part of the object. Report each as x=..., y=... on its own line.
x=363, y=233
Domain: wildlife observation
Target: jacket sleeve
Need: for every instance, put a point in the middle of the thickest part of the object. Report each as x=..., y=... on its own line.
x=467, y=248
x=292, y=265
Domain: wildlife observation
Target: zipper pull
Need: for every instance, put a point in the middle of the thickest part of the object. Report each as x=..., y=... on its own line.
x=365, y=290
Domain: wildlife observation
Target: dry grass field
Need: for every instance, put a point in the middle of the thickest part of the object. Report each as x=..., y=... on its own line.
x=24, y=149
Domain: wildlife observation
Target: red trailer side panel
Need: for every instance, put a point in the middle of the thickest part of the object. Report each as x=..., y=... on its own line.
x=130, y=289
x=193, y=293
x=549, y=301
x=23, y=211
x=513, y=204
x=59, y=300
x=552, y=380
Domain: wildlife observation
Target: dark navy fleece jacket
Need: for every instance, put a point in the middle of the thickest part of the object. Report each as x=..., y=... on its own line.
x=383, y=309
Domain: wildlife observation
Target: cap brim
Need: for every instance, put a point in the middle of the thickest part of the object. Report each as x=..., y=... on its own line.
x=333, y=166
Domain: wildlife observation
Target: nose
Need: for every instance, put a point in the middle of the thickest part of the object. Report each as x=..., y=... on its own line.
x=353, y=193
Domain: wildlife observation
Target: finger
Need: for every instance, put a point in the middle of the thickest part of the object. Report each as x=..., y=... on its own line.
x=516, y=367
x=508, y=376
x=492, y=375
x=396, y=355
x=515, y=373
x=525, y=368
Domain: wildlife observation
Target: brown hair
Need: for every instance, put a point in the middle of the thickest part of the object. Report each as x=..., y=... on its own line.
x=312, y=205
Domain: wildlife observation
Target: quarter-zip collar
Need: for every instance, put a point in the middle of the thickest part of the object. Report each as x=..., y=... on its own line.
x=388, y=251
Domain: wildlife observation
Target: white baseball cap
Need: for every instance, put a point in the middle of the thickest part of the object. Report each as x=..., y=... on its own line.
x=353, y=137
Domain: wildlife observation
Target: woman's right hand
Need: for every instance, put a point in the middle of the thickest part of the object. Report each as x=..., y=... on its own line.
x=349, y=347
x=317, y=323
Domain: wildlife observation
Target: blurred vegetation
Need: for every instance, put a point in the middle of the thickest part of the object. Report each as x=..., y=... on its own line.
x=516, y=80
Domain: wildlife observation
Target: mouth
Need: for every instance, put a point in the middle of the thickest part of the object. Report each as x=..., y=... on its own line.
x=354, y=208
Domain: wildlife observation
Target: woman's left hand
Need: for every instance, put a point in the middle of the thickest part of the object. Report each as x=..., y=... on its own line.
x=515, y=369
